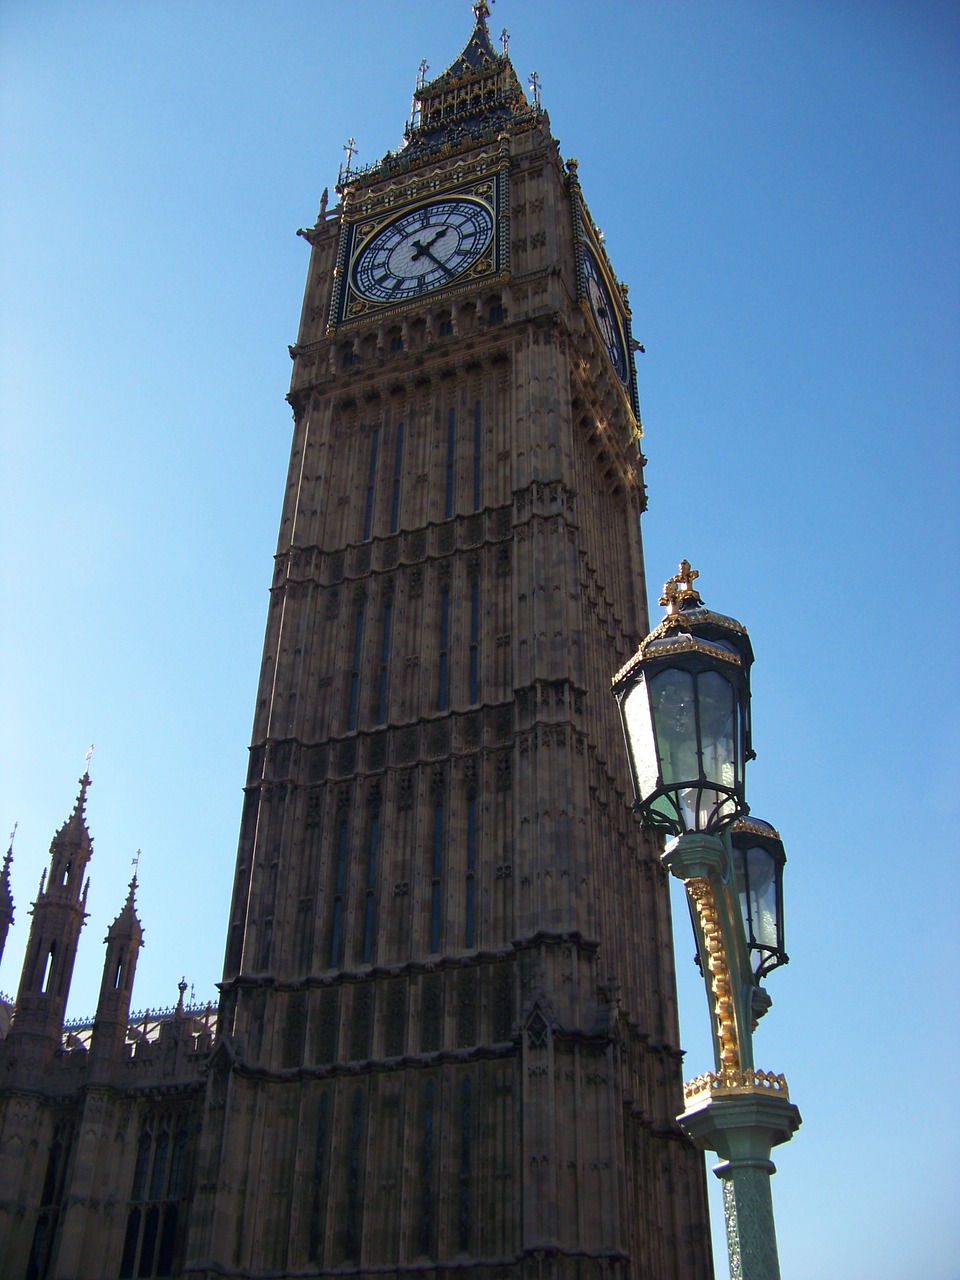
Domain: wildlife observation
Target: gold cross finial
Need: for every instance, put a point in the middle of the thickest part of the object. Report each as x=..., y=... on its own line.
x=505, y=40
x=422, y=70
x=679, y=589
x=686, y=575
x=535, y=87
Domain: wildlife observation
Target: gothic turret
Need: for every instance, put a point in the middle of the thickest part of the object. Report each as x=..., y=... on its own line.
x=58, y=916
x=124, y=940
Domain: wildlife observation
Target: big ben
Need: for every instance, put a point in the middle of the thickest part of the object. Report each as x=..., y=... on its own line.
x=448, y=1035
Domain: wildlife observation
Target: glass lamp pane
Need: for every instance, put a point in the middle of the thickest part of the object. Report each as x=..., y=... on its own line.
x=636, y=715
x=758, y=889
x=717, y=705
x=761, y=877
x=674, y=718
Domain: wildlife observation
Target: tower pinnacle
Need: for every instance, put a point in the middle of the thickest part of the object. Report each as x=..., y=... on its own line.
x=478, y=92
x=124, y=940
x=58, y=916
x=6, y=893
x=127, y=922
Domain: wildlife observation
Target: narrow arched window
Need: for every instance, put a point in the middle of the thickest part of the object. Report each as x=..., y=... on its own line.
x=46, y=981
x=336, y=923
x=471, y=882
x=426, y=1173
x=474, y=666
x=317, y=1217
x=443, y=665
x=466, y=1120
x=373, y=842
x=477, y=449
x=354, y=1201
x=384, y=663
x=354, y=687
x=397, y=472
x=436, y=869
x=371, y=485
x=451, y=459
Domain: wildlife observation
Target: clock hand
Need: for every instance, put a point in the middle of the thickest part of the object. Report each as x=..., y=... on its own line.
x=442, y=265
x=424, y=249
x=442, y=232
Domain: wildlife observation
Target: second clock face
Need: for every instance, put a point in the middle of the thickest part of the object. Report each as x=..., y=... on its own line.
x=423, y=249
x=606, y=316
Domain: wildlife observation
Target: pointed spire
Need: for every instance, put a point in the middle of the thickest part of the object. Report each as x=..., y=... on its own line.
x=75, y=826
x=70, y=849
x=6, y=894
x=477, y=93
x=479, y=50
x=127, y=923
x=79, y=813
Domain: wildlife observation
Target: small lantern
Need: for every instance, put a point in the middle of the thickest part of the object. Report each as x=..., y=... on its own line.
x=758, y=860
x=684, y=699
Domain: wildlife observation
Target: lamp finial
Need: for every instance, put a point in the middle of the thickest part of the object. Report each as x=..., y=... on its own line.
x=679, y=590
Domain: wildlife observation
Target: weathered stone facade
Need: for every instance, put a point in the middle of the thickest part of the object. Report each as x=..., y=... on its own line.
x=447, y=1038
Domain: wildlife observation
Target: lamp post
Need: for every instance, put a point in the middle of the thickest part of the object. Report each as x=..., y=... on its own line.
x=684, y=698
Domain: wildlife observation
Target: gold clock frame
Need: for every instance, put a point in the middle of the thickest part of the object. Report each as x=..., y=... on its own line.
x=351, y=308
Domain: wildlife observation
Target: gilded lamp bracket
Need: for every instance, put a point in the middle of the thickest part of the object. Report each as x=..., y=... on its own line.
x=731, y=1045
x=702, y=862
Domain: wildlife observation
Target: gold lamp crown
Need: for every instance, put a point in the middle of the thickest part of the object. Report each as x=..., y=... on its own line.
x=679, y=590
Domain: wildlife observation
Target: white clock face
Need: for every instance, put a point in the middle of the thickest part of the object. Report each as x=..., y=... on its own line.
x=605, y=314
x=424, y=249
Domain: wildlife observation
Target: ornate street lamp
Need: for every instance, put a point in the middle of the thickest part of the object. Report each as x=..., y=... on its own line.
x=757, y=863
x=685, y=703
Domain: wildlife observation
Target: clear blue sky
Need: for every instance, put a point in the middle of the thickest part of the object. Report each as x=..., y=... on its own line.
x=778, y=181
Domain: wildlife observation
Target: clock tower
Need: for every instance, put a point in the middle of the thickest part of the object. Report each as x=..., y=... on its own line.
x=448, y=1032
